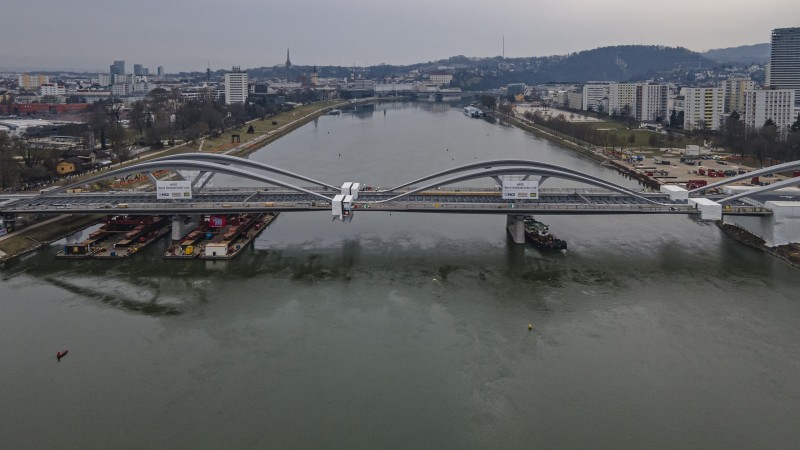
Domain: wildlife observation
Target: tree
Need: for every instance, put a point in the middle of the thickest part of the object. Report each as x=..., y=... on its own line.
x=793, y=141
x=795, y=127
x=488, y=101
x=654, y=141
x=613, y=139
x=137, y=116
x=732, y=134
x=27, y=149
x=505, y=108
x=631, y=139
x=9, y=169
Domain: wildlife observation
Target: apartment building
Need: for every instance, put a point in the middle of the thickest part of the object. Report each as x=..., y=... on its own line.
x=703, y=107
x=622, y=99
x=651, y=102
x=734, y=93
x=775, y=104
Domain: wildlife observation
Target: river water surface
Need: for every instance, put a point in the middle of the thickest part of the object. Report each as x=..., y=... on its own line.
x=409, y=330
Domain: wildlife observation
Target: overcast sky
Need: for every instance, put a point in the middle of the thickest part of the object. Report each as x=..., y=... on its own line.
x=189, y=35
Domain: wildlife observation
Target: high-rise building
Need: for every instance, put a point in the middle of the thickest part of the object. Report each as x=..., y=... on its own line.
x=785, y=60
x=595, y=96
x=703, y=107
x=775, y=104
x=118, y=68
x=160, y=71
x=651, y=102
x=235, y=86
x=574, y=100
x=138, y=69
x=622, y=99
x=27, y=81
x=734, y=93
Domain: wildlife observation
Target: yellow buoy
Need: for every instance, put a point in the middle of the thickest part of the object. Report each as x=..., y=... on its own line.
x=530, y=326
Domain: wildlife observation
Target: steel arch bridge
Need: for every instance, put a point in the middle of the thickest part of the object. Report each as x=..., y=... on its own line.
x=286, y=194
x=209, y=165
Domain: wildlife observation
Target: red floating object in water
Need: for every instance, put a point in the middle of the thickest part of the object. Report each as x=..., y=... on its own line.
x=60, y=355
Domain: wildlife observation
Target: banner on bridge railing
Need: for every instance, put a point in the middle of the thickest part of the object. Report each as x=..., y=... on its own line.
x=520, y=190
x=173, y=189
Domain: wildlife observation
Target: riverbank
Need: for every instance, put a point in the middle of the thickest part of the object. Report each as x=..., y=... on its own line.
x=33, y=238
x=571, y=143
x=789, y=253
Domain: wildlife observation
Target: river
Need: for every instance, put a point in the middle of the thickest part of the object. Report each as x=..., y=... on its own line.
x=409, y=330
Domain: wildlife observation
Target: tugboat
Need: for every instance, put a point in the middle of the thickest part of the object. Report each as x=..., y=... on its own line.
x=539, y=234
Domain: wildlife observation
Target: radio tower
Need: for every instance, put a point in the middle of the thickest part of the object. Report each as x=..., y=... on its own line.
x=288, y=64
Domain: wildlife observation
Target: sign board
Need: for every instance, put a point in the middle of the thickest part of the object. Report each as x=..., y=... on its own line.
x=217, y=221
x=173, y=189
x=3, y=232
x=520, y=190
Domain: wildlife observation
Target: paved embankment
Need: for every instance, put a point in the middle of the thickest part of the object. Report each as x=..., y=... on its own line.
x=35, y=236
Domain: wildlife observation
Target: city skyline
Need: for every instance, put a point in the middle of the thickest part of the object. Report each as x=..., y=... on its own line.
x=191, y=36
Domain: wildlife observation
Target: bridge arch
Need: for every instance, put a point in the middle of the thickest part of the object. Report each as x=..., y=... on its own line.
x=187, y=165
x=761, y=189
x=235, y=160
x=503, y=162
x=755, y=173
x=568, y=175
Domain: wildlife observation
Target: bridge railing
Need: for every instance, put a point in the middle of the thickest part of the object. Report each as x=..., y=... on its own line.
x=533, y=206
x=455, y=189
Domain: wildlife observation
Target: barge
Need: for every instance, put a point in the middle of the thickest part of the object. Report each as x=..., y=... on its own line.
x=540, y=236
x=119, y=237
x=220, y=237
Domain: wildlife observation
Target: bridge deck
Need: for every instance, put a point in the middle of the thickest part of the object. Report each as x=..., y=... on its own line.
x=467, y=201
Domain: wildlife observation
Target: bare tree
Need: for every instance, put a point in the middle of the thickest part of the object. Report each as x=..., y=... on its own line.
x=9, y=169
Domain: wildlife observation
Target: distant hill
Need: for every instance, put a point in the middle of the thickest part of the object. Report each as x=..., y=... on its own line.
x=618, y=63
x=622, y=63
x=745, y=54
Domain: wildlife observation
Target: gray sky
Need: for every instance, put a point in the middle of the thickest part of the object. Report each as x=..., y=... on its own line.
x=187, y=35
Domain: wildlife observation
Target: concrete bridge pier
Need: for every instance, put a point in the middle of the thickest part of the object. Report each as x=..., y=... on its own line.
x=516, y=228
x=181, y=225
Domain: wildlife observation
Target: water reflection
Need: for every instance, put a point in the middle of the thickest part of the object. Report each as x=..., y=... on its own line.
x=391, y=323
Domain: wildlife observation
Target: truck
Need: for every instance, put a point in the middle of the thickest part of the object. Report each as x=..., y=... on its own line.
x=48, y=190
x=694, y=184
